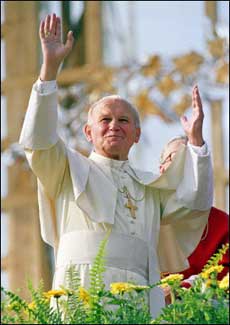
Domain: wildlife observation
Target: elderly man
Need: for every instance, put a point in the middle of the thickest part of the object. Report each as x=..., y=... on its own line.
x=216, y=232
x=81, y=198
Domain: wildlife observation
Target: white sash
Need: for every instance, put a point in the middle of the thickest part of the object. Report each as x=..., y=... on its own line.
x=122, y=251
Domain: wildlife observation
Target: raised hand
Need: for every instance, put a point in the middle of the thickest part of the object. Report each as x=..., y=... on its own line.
x=193, y=126
x=53, y=49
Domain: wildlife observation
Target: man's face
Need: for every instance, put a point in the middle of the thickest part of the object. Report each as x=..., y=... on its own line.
x=169, y=154
x=112, y=129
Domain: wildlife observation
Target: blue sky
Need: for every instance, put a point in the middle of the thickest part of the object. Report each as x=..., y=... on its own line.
x=169, y=27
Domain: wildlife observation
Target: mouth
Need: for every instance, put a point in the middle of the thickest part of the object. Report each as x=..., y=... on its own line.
x=114, y=136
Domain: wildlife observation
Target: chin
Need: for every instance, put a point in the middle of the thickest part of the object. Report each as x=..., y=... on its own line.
x=115, y=153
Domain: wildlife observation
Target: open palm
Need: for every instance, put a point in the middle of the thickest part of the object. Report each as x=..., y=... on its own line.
x=53, y=49
x=193, y=126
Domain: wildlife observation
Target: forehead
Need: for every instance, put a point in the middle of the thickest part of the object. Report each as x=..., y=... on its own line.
x=113, y=106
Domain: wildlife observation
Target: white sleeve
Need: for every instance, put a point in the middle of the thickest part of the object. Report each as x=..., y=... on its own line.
x=45, y=151
x=195, y=190
x=201, y=151
x=46, y=87
x=39, y=129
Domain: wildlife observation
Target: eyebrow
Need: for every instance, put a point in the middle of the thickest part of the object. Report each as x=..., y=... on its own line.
x=108, y=115
x=124, y=116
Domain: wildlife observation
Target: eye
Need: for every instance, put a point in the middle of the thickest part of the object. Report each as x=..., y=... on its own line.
x=105, y=119
x=124, y=120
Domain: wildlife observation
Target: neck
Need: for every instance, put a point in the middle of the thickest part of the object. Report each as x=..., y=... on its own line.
x=115, y=156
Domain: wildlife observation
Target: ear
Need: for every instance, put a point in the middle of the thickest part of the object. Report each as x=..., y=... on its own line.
x=138, y=134
x=87, y=132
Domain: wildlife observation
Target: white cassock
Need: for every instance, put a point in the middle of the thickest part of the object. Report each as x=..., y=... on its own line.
x=81, y=198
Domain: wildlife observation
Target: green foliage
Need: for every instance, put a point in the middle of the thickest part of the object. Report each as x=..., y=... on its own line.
x=97, y=271
x=96, y=289
x=73, y=308
x=200, y=304
x=215, y=258
x=206, y=302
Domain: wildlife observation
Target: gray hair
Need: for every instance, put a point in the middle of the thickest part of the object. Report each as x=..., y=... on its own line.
x=131, y=108
x=182, y=138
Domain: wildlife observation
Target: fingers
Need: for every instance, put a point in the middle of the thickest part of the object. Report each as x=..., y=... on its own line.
x=50, y=30
x=42, y=29
x=185, y=124
x=53, y=24
x=45, y=28
x=58, y=27
x=193, y=98
x=47, y=24
x=69, y=41
x=184, y=121
x=196, y=100
x=50, y=26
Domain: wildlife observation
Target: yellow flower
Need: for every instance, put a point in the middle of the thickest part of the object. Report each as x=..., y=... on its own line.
x=164, y=285
x=208, y=283
x=170, y=279
x=224, y=283
x=32, y=305
x=84, y=295
x=215, y=268
x=120, y=287
x=54, y=293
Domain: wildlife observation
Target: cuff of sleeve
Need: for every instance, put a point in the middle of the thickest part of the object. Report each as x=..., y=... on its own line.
x=201, y=151
x=187, y=283
x=45, y=87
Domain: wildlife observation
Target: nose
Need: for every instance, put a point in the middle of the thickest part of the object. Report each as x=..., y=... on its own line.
x=114, y=125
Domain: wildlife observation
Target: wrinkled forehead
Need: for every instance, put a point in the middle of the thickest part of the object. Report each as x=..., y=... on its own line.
x=107, y=105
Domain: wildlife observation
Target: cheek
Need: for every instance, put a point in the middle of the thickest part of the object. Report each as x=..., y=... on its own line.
x=132, y=134
x=98, y=132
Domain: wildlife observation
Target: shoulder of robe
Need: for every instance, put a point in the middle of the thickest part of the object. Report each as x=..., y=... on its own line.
x=144, y=177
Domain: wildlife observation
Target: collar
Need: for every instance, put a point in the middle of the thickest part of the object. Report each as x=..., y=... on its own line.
x=112, y=163
x=121, y=165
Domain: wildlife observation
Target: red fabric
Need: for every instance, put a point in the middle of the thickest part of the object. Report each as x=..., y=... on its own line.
x=217, y=235
x=185, y=284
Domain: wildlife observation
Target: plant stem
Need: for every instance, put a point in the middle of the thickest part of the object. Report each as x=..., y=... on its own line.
x=172, y=302
x=58, y=306
x=172, y=294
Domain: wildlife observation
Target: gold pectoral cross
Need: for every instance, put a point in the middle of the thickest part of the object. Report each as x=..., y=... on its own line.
x=129, y=205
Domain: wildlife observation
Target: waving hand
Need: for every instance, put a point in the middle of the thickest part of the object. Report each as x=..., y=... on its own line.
x=53, y=49
x=193, y=126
